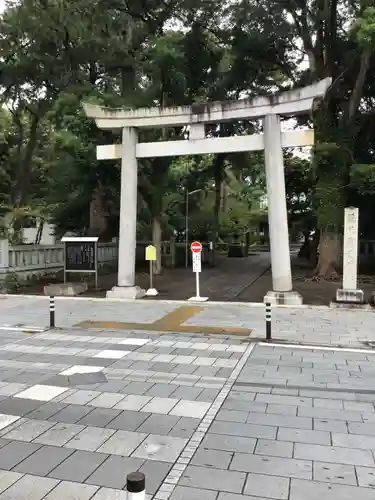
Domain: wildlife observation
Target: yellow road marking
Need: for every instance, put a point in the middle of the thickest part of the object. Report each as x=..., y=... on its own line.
x=172, y=322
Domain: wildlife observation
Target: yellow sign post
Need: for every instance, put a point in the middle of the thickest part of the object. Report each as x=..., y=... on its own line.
x=151, y=257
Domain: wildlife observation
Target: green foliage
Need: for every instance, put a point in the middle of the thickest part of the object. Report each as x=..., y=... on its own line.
x=152, y=53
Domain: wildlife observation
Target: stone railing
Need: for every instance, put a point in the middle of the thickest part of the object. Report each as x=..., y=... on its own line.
x=29, y=258
x=38, y=260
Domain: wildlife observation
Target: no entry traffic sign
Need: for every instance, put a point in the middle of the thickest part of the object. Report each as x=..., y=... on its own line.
x=196, y=247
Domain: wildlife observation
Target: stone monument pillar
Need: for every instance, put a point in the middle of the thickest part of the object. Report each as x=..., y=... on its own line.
x=349, y=292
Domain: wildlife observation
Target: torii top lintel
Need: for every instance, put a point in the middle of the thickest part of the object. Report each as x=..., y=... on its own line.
x=286, y=103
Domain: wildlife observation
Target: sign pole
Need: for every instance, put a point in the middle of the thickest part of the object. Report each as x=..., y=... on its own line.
x=196, y=250
x=151, y=271
x=151, y=257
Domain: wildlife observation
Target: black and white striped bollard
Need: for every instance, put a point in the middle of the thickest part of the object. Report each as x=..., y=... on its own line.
x=136, y=486
x=52, y=311
x=268, y=321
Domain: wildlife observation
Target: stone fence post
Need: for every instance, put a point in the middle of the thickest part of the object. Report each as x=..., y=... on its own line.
x=4, y=256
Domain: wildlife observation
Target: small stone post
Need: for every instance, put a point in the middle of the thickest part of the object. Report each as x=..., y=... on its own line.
x=4, y=257
x=349, y=292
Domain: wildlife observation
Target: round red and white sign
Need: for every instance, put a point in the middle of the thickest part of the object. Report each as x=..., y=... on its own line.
x=196, y=247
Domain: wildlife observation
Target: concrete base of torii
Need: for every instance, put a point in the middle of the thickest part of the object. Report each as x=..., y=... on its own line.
x=126, y=292
x=283, y=298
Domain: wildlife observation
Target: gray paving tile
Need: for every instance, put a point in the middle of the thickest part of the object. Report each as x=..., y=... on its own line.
x=208, y=395
x=361, y=428
x=311, y=490
x=282, y=410
x=273, y=448
x=67, y=490
x=213, y=479
x=112, y=385
x=244, y=430
x=333, y=454
x=229, y=443
x=334, y=473
x=99, y=417
x=7, y=479
x=78, y=466
x=155, y=473
x=129, y=420
x=330, y=425
x=259, y=464
x=233, y=496
x=21, y=407
x=90, y=438
x=71, y=414
x=112, y=473
x=122, y=443
x=185, y=493
x=29, y=430
x=280, y=420
x=232, y=416
x=158, y=424
x=187, y=393
x=59, y=434
x=139, y=388
x=366, y=476
x=29, y=488
x=14, y=452
x=106, y=400
x=185, y=427
x=267, y=486
x=43, y=460
x=160, y=448
x=110, y=494
x=46, y=411
x=81, y=397
x=161, y=391
x=359, y=441
x=347, y=416
x=212, y=458
x=245, y=406
x=304, y=436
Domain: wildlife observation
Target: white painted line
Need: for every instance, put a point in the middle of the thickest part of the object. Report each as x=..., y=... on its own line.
x=209, y=303
x=35, y=329
x=82, y=369
x=318, y=348
x=111, y=354
x=134, y=341
x=41, y=392
x=6, y=420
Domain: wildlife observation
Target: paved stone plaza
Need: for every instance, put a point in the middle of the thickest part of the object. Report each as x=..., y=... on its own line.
x=204, y=417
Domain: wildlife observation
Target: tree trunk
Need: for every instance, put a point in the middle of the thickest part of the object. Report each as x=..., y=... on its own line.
x=305, y=250
x=98, y=213
x=156, y=241
x=329, y=252
x=39, y=232
x=314, y=248
x=23, y=181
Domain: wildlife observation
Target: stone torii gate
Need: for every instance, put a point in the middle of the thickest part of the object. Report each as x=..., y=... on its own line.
x=196, y=116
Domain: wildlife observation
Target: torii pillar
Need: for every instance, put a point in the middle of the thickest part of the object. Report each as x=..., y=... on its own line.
x=269, y=109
